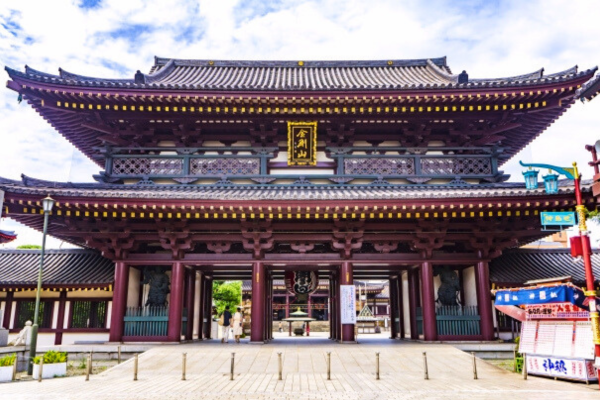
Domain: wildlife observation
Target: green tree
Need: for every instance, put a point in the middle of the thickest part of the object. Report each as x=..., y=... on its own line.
x=227, y=293
x=29, y=247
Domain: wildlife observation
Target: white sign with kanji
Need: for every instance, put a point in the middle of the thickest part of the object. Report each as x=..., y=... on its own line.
x=348, y=304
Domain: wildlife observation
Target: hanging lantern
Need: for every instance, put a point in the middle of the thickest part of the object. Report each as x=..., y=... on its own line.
x=531, y=179
x=301, y=282
x=551, y=183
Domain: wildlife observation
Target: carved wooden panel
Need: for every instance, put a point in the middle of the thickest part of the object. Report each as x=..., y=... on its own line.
x=147, y=166
x=224, y=166
x=456, y=166
x=379, y=166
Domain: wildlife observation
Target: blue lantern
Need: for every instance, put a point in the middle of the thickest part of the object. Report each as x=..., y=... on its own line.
x=531, y=179
x=551, y=183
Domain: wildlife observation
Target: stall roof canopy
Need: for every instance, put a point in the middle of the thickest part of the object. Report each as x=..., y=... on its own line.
x=237, y=75
x=518, y=266
x=62, y=268
x=564, y=293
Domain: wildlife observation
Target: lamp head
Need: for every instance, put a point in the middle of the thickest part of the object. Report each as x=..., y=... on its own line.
x=47, y=204
x=597, y=146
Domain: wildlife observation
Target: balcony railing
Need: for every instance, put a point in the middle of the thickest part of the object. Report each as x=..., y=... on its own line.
x=227, y=165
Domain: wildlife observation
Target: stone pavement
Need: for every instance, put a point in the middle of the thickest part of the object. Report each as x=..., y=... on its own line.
x=304, y=375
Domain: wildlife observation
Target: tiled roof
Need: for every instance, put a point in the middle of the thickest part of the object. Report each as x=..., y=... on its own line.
x=275, y=192
x=520, y=265
x=231, y=75
x=19, y=268
x=7, y=236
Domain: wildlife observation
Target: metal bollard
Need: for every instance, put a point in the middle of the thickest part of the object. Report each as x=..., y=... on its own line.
x=135, y=367
x=119, y=354
x=232, y=365
x=474, y=366
x=425, y=364
x=14, y=373
x=524, y=366
x=280, y=366
x=377, y=365
x=90, y=363
x=183, y=367
x=88, y=368
x=41, y=372
x=328, y=365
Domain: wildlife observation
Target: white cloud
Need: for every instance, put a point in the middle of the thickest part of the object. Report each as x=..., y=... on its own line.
x=488, y=39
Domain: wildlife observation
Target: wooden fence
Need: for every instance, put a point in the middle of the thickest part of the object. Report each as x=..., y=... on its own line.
x=146, y=321
x=453, y=320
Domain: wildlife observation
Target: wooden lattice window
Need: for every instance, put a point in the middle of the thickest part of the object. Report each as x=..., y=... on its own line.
x=26, y=310
x=88, y=314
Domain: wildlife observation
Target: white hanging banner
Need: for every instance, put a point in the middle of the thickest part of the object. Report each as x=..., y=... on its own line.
x=1, y=202
x=348, y=304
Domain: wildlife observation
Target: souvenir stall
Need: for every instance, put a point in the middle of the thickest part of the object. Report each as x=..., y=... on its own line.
x=556, y=334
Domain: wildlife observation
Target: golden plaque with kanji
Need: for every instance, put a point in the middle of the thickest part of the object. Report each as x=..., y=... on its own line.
x=302, y=143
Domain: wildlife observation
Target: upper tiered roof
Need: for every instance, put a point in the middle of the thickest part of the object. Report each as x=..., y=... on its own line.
x=282, y=76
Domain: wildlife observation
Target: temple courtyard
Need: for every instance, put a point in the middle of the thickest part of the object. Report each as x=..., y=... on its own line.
x=304, y=374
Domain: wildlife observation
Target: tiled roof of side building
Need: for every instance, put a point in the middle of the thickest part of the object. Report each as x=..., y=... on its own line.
x=19, y=268
x=232, y=75
x=517, y=266
x=269, y=193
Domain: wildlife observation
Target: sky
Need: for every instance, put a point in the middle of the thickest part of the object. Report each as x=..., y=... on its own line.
x=115, y=38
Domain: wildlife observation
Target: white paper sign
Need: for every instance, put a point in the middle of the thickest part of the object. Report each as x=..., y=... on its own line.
x=1, y=202
x=581, y=370
x=348, y=304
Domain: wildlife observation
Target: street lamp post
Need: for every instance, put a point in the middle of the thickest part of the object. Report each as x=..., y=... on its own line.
x=47, y=205
x=586, y=252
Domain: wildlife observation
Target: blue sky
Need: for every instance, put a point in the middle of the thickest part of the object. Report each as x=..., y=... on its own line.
x=114, y=38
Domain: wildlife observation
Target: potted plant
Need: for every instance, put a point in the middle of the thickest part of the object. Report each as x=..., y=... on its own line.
x=7, y=365
x=55, y=364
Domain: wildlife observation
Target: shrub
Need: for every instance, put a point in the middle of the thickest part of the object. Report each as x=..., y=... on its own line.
x=8, y=360
x=52, y=357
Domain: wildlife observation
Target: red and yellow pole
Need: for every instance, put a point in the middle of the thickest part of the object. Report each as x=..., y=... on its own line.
x=587, y=262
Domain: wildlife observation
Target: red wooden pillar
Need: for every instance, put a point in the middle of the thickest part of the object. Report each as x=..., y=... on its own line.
x=190, y=295
x=484, y=300
x=330, y=313
x=338, y=310
x=347, y=278
x=119, y=302
x=393, y=307
x=413, y=302
x=257, y=323
x=269, y=307
x=7, y=310
x=201, y=307
x=309, y=307
x=401, y=329
x=429, y=322
x=287, y=305
x=208, y=292
x=60, y=320
x=176, y=302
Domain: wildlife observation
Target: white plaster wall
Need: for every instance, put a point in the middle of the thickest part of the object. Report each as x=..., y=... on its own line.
x=12, y=313
x=55, y=315
x=197, y=306
x=44, y=338
x=108, y=314
x=72, y=338
x=406, y=304
x=133, y=288
x=469, y=286
x=65, y=323
x=2, y=311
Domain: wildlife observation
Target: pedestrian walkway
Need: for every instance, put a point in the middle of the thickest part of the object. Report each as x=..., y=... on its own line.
x=304, y=375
